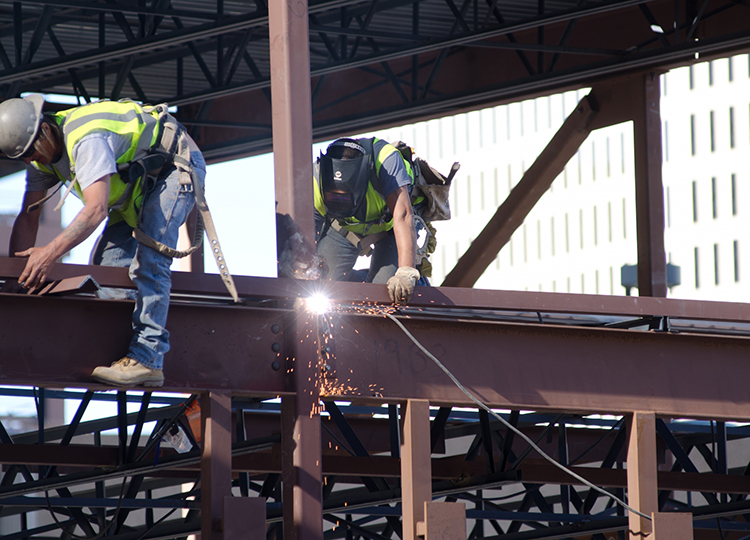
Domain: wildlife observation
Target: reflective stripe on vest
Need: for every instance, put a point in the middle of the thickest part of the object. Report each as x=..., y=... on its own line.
x=376, y=207
x=126, y=119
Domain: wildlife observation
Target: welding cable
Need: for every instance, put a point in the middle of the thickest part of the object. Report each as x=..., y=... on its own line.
x=511, y=426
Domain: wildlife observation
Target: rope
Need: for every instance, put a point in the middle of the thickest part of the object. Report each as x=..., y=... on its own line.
x=512, y=427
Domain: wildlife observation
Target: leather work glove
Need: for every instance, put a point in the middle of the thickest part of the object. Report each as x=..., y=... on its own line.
x=401, y=285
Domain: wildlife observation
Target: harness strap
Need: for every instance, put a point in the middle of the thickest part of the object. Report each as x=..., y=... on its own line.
x=363, y=243
x=173, y=146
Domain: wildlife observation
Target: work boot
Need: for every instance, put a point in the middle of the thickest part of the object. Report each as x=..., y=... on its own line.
x=128, y=372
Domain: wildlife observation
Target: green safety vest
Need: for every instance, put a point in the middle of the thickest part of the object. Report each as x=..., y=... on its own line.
x=376, y=209
x=125, y=118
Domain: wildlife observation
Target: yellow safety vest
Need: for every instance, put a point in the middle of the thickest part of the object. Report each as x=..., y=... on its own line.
x=125, y=118
x=376, y=207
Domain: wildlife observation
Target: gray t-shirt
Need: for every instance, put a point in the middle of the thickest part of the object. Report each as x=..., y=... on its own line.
x=392, y=174
x=94, y=156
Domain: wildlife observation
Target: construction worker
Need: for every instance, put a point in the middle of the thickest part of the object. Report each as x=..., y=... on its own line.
x=132, y=164
x=363, y=207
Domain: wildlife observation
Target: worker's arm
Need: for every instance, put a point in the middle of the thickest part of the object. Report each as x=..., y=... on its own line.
x=403, y=226
x=86, y=221
x=26, y=225
x=401, y=285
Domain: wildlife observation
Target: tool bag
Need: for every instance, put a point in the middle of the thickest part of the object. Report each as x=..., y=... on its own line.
x=429, y=182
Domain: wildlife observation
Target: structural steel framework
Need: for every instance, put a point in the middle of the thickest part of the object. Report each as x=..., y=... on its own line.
x=372, y=62
x=367, y=429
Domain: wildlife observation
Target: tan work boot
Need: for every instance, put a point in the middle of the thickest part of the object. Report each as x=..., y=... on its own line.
x=128, y=372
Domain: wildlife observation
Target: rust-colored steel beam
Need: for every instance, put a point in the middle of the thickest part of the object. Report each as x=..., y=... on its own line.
x=416, y=474
x=213, y=347
x=649, y=189
x=301, y=470
x=642, y=483
x=424, y=297
x=291, y=111
x=538, y=367
x=535, y=182
x=216, y=461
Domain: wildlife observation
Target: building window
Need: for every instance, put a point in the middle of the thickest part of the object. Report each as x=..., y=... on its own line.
x=669, y=212
x=539, y=240
x=494, y=125
x=714, y=204
x=580, y=223
x=734, y=194
x=567, y=236
x=692, y=134
x=622, y=153
x=695, y=201
x=525, y=246
x=552, y=234
x=697, y=275
x=593, y=161
x=624, y=221
x=481, y=189
x=596, y=281
x=596, y=230
x=609, y=221
x=710, y=73
x=730, y=69
x=579, y=166
x=666, y=140
x=608, y=170
x=716, y=264
x=736, y=250
x=711, y=131
x=468, y=194
x=731, y=127
x=690, y=71
x=497, y=190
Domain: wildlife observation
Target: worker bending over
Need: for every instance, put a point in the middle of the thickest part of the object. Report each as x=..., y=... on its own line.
x=363, y=207
x=132, y=164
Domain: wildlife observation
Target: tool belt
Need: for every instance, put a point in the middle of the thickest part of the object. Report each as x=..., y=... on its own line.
x=172, y=150
x=364, y=244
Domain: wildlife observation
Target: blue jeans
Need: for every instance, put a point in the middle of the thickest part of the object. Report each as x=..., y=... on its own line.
x=340, y=256
x=166, y=208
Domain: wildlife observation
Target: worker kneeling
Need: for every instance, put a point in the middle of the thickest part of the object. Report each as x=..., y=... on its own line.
x=363, y=207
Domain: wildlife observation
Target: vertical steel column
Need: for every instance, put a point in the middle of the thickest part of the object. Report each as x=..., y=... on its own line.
x=642, y=486
x=416, y=465
x=216, y=461
x=292, y=111
x=301, y=471
x=649, y=190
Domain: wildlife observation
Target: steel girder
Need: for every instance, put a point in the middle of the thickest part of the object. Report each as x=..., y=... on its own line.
x=367, y=361
x=373, y=63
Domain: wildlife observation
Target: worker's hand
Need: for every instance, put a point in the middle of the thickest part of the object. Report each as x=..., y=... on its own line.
x=401, y=285
x=38, y=266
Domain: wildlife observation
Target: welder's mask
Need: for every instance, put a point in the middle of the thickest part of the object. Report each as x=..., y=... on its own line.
x=344, y=174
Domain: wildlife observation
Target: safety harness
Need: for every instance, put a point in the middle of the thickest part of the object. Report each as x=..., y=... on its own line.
x=169, y=147
x=172, y=149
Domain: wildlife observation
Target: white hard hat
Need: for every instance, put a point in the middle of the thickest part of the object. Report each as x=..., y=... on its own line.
x=19, y=124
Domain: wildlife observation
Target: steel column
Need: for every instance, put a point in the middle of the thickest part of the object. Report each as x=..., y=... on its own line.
x=642, y=483
x=302, y=476
x=216, y=462
x=291, y=111
x=649, y=190
x=416, y=473
x=523, y=197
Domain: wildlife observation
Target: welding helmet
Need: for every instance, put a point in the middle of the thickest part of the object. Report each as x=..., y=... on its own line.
x=19, y=124
x=345, y=171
